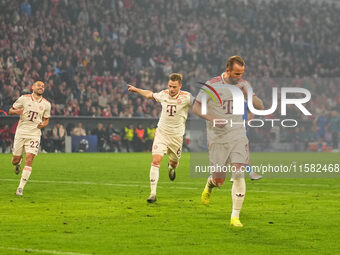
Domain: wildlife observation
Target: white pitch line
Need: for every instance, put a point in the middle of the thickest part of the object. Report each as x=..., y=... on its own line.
x=93, y=183
x=145, y=186
x=274, y=184
x=297, y=184
x=265, y=183
x=139, y=184
x=42, y=251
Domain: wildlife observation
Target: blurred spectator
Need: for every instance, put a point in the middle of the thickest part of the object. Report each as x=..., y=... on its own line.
x=334, y=127
x=85, y=110
x=26, y=8
x=186, y=142
x=59, y=133
x=303, y=138
x=47, y=143
x=6, y=138
x=312, y=134
x=78, y=130
x=107, y=112
x=139, y=138
x=150, y=135
x=114, y=138
x=139, y=112
x=101, y=135
x=102, y=100
x=69, y=128
x=321, y=123
x=115, y=111
x=128, y=136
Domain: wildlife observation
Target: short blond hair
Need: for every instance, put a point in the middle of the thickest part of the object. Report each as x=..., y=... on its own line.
x=232, y=60
x=176, y=77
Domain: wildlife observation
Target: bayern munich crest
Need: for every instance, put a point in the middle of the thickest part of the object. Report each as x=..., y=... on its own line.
x=41, y=108
x=155, y=147
x=179, y=101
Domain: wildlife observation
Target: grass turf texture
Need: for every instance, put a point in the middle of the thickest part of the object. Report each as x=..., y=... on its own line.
x=96, y=204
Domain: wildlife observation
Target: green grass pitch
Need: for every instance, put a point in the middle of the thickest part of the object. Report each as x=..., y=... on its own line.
x=96, y=204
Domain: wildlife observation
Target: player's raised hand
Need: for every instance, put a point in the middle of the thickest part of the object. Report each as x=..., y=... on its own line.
x=132, y=88
x=243, y=89
x=40, y=125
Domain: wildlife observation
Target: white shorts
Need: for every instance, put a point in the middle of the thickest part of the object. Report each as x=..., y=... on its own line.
x=167, y=144
x=24, y=144
x=232, y=152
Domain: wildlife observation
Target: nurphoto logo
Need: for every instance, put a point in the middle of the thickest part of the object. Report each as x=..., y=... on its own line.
x=239, y=106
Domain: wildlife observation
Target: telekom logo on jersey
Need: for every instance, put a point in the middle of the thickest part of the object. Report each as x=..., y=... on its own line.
x=171, y=109
x=32, y=115
x=238, y=102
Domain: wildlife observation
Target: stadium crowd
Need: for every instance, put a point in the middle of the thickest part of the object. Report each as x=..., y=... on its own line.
x=86, y=51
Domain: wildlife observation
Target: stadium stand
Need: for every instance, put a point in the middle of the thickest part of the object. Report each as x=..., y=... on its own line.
x=86, y=51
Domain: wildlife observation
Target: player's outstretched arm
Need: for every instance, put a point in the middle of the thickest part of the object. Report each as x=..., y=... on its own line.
x=143, y=92
x=13, y=111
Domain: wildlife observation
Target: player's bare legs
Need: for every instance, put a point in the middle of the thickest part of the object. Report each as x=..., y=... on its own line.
x=216, y=179
x=25, y=173
x=154, y=176
x=238, y=192
x=16, y=161
x=172, y=169
x=29, y=159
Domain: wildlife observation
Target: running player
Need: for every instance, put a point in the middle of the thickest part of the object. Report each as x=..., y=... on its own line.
x=170, y=129
x=227, y=143
x=34, y=113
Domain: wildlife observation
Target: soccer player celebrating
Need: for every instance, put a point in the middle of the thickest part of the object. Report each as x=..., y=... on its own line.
x=227, y=143
x=34, y=113
x=170, y=129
